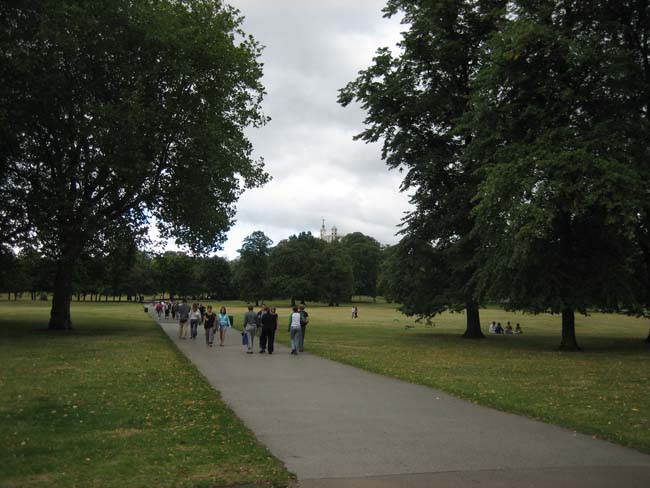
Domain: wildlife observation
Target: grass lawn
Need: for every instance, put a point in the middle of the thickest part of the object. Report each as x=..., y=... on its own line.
x=114, y=404
x=603, y=391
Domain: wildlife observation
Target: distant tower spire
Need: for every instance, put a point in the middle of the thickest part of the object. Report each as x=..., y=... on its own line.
x=322, y=230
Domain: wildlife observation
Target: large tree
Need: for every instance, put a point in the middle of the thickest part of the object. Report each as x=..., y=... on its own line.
x=414, y=102
x=295, y=266
x=364, y=252
x=252, y=266
x=336, y=276
x=216, y=278
x=560, y=121
x=115, y=112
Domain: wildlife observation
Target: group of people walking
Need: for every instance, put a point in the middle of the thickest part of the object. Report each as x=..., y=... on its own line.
x=263, y=323
x=266, y=320
x=196, y=315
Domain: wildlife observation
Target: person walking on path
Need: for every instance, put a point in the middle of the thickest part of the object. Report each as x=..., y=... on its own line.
x=269, y=326
x=304, y=320
x=183, y=316
x=209, y=323
x=195, y=319
x=295, y=330
x=250, y=324
x=224, y=324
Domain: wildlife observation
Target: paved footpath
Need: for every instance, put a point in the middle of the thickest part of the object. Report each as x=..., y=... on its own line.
x=338, y=426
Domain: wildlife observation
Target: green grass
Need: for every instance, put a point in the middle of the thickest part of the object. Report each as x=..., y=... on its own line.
x=114, y=404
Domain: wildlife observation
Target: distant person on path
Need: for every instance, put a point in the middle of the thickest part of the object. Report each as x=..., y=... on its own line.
x=352, y=312
x=295, y=330
x=304, y=320
x=168, y=308
x=518, y=329
x=174, y=310
x=183, y=317
x=250, y=324
x=224, y=324
x=159, y=307
x=356, y=312
x=269, y=326
x=210, y=324
x=202, y=309
x=195, y=319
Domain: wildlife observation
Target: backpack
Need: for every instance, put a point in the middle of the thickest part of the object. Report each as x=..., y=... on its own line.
x=304, y=318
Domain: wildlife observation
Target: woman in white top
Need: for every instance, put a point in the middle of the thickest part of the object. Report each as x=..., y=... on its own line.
x=195, y=319
x=294, y=330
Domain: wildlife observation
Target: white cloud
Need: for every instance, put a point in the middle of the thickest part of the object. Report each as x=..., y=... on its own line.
x=312, y=50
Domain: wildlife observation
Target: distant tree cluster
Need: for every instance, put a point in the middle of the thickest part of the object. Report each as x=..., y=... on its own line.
x=523, y=130
x=303, y=267
x=298, y=268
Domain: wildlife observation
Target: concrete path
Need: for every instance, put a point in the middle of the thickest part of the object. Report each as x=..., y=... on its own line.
x=338, y=426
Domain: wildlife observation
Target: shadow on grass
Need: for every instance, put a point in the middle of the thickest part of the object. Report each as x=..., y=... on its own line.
x=30, y=329
x=536, y=343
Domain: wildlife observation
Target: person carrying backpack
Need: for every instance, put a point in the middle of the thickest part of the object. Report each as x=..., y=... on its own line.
x=295, y=330
x=304, y=320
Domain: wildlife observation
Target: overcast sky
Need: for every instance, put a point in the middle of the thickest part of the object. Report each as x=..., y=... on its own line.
x=312, y=49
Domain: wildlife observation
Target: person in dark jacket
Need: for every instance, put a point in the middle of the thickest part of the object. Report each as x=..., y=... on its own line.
x=304, y=320
x=269, y=321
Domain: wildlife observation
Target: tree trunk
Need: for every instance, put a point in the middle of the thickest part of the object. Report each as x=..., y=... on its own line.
x=293, y=301
x=60, y=313
x=473, y=327
x=569, y=342
x=648, y=339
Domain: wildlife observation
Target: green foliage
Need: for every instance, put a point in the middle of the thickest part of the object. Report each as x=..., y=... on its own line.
x=295, y=267
x=337, y=275
x=114, y=112
x=364, y=252
x=177, y=274
x=557, y=125
x=251, y=269
x=414, y=102
x=523, y=129
x=216, y=278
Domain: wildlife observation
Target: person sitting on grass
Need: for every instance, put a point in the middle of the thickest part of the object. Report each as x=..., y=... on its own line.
x=518, y=329
x=498, y=329
x=508, y=328
x=493, y=327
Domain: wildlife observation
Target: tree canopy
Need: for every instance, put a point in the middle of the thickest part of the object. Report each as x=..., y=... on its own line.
x=115, y=113
x=522, y=127
x=414, y=103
